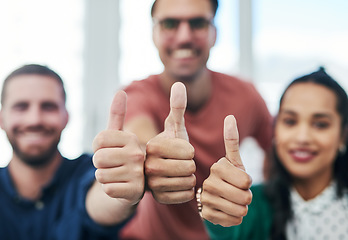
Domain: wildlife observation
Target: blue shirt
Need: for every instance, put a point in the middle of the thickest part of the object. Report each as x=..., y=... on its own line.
x=60, y=214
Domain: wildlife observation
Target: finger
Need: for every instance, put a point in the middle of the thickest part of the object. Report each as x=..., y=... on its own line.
x=175, y=122
x=221, y=218
x=175, y=148
x=225, y=205
x=117, y=111
x=172, y=184
x=231, y=139
x=176, y=197
x=169, y=167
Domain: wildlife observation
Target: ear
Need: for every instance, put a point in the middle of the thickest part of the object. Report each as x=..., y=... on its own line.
x=1, y=119
x=66, y=118
x=155, y=36
x=213, y=36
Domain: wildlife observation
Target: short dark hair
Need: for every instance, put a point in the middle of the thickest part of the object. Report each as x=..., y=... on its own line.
x=214, y=5
x=32, y=69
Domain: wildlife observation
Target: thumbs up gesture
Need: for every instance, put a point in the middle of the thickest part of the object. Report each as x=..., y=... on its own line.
x=169, y=165
x=118, y=157
x=225, y=196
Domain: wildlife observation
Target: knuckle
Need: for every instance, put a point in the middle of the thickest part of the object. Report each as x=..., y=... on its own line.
x=243, y=212
x=108, y=190
x=150, y=169
x=246, y=181
x=151, y=147
x=193, y=181
x=191, y=151
x=99, y=176
x=192, y=167
x=138, y=156
x=249, y=197
x=97, y=158
x=153, y=184
x=99, y=140
x=207, y=186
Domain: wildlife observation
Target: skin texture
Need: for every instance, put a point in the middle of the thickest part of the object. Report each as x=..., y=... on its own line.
x=308, y=135
x=169, y=171
x=226, y=195
x=184, y=55
x=33, y=115
x=120, y=162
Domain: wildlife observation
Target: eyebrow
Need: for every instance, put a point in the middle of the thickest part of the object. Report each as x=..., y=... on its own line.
x=316, y=115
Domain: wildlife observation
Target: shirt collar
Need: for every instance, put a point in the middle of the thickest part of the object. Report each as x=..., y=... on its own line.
x=315, y=205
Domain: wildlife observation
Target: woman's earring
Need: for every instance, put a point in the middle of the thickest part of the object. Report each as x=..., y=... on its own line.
x=342, y=149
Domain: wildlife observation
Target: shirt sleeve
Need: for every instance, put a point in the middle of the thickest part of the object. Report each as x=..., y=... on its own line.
x=256, y=224
x=263, y=122
x=91, y=229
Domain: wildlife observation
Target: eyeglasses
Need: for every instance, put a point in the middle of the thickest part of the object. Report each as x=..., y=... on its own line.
x=171, y=25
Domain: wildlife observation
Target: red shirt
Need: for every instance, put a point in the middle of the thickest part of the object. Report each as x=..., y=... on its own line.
x=205, y=130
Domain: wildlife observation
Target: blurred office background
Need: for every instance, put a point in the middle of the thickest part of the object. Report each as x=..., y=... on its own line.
x=98, y=46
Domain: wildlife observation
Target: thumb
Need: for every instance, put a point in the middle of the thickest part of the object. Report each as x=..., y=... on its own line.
x=231, y=139
x=175, y=122
x=117, y=111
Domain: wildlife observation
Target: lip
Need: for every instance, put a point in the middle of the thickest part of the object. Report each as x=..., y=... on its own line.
x=302, y=155
x=33, y=138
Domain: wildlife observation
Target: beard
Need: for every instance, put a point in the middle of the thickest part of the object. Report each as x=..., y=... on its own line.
x=39, y=160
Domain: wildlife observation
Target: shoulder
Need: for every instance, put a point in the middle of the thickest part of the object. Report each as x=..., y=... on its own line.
x=79, y=165
x=233, y=85
x=151, y=82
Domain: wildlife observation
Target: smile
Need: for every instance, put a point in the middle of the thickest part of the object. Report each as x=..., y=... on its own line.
x=184, y=53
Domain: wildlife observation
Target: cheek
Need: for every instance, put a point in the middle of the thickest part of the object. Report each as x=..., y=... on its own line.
x=329, y=147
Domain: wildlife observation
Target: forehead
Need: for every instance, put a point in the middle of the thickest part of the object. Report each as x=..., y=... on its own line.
x=309, y=98
x=33, y=88
x=183, y=8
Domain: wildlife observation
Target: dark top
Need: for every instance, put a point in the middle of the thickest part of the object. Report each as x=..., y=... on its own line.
x=59, y=214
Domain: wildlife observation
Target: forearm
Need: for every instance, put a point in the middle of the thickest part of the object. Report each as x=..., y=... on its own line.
x=105, y=210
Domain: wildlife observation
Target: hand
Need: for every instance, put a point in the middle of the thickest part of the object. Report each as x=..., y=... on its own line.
x=226, y=195
x=169, y=165
x=118, y=157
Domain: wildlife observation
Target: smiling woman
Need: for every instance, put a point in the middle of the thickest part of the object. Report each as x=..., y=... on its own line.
x=306, y=196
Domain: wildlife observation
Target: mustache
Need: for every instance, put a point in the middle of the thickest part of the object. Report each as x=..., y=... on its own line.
x=33, y=128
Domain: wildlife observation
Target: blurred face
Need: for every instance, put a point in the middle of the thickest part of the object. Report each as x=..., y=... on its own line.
x=308, y=132
x=33, y=116
x=184, y=33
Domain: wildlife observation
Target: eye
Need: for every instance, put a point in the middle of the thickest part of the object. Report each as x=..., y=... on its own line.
x=321, y=124
x=20, y=106
x=48, y=106
x=169, y=23
x=289, y=121
x=199, y=23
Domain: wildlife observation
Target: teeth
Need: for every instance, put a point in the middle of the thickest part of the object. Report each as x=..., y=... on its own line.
x=302, y=154
x=183, y=53
x=33, y=135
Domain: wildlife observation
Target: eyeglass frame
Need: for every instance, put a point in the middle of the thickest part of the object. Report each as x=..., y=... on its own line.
x=191, y=21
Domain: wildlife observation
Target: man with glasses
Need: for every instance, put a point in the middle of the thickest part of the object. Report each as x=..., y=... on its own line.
x=184, y=32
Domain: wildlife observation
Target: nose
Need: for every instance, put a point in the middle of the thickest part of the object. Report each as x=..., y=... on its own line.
x=184, y=32
x=303, y=134
x=33, y=116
